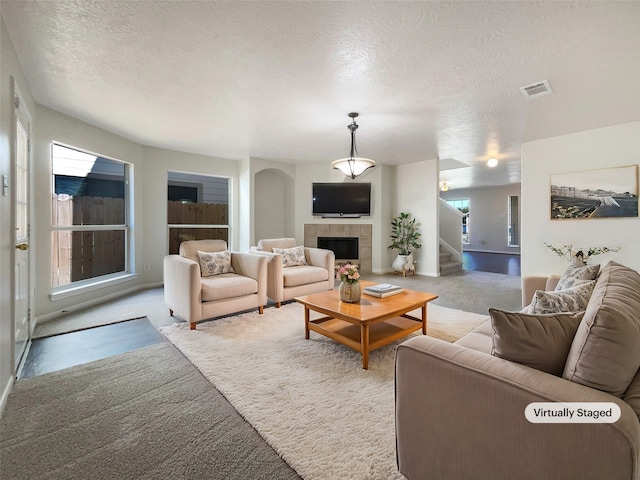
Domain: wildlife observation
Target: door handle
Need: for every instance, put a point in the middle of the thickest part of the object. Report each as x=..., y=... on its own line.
x=22, y=246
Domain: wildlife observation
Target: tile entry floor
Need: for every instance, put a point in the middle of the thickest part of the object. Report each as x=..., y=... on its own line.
x=66, y=350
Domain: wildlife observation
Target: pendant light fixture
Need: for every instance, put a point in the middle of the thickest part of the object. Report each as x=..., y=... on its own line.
x=353, y=165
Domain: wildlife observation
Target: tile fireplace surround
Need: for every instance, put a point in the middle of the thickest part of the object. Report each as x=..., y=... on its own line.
x=363, y=231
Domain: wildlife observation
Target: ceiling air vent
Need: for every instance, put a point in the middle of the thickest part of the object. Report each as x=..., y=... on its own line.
x=536, y=89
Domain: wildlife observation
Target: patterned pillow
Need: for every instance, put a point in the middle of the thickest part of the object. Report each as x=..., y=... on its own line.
x=574, y=299
x=537, y=341
x=574, y=275
x=291, y=256
x=215, y=263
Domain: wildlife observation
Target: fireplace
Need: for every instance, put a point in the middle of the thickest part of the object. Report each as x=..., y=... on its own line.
x=344, y=248
x=363, y=232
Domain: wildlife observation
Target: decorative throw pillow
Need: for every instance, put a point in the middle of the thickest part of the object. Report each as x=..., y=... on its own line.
x=291, y=256
x=574, y=299
x=605, y=353
x=574, y=275
x=538, y=341
x=215, y=263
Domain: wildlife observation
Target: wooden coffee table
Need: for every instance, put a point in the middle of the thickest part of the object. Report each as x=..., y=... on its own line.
x=370, y=324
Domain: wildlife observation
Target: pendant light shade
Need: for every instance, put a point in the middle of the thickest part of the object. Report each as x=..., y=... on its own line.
x=353, y=165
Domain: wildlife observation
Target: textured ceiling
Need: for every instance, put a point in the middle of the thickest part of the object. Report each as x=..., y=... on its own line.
x=276, y=80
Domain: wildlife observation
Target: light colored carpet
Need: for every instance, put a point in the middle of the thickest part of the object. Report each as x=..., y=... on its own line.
x=144, y=303
x=310, y=399
x=468, y=290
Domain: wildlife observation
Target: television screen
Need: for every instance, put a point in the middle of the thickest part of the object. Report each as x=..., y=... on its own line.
x=341, y=199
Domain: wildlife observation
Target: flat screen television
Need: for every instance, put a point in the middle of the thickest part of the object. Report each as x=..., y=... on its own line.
x=341, y=199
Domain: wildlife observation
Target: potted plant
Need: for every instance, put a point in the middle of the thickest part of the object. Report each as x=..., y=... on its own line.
x=404, y=238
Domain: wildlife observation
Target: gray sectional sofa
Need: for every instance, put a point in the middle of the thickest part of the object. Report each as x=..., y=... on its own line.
x=460, y=408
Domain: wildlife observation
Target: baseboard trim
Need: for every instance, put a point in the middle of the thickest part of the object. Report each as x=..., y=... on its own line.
x=5, y=394
x=489, y=251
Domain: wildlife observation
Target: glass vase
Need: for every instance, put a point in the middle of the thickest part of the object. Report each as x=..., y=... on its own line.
x=350, y=292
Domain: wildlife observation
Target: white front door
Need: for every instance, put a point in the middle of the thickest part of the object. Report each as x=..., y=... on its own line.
x=21, y=147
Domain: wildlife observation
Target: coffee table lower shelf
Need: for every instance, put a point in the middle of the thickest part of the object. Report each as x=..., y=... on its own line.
x=365, y=338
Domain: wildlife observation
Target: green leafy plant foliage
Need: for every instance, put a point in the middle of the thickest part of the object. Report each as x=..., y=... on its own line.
x=404, y=234
x=569, y=251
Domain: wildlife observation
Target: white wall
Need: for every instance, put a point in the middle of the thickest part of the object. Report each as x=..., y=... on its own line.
x=54, y=126
x=272, y=210
x=149, y=223
x=9, y=67
x=593, y=149
x=379, y=178
x=488, y=209
x=417, y=194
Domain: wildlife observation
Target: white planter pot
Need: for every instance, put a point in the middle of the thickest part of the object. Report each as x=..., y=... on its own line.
x=403, y=262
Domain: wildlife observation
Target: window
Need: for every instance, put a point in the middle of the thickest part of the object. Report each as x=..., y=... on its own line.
x=89, y=216
x=197, y=208
x=463, y=206
x=513, y=224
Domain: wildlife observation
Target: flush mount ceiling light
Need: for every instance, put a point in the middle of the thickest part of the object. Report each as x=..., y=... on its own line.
x=354, y=165
x=492, y=162
x=444, y=186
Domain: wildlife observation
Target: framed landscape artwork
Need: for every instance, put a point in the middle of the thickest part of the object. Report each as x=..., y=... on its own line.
x=602, y=193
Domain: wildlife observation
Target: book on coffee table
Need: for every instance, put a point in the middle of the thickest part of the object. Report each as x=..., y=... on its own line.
x=382, y=290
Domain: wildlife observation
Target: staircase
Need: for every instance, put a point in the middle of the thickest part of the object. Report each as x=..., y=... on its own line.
x=447, y=264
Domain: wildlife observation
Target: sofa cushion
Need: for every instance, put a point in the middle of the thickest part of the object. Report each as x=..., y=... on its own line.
x=575, y=275
x=605, y=353
x=574, y=299
x=478, y=339
x=303, y=275
x=538, y=341
x=215, y=263
x=226, y=285
x=291, y=257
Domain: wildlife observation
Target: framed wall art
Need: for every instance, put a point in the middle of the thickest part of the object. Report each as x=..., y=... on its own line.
x=601, y=193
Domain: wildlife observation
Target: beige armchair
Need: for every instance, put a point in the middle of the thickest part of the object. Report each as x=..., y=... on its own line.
x=285, y=283
x=193, y=297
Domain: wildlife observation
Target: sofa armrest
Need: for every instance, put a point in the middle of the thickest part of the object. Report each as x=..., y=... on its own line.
x=252, y=266
x=320, y=257
x=249, y=265
x=461, y=414
x=531, y=284
x=275, y=279
x=529, y=287
x=182, y=291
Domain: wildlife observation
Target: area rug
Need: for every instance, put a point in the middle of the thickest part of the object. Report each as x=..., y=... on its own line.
x=309, y=399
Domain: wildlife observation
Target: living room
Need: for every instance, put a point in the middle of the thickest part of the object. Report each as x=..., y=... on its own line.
x=599, y=130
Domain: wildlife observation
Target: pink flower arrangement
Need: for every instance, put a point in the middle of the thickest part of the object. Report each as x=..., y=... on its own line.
x=349, y=273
